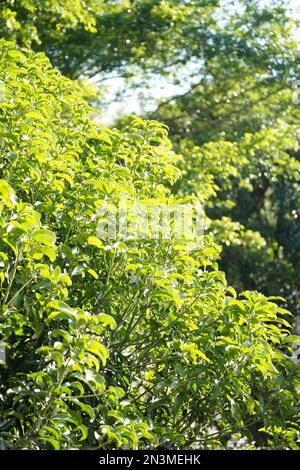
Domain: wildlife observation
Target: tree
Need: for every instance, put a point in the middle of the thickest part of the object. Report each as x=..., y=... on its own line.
x=129, y=343
x=22, y=20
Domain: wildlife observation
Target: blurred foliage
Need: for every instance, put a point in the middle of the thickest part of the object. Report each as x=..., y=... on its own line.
x=86, y=37
x=254, y=190
x=24, y=20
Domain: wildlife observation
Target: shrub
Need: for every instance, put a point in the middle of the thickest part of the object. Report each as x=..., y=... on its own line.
x=124, y=344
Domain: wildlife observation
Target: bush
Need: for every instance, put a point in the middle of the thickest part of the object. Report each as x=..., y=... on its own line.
x=124, y=344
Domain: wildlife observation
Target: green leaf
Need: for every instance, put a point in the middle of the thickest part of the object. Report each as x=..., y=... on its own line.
x=94, y=241
x=44, y=236
x=93, y=273
x=62, y=311
x=107, y=320
x=98, y=350
x=37, y=115
x=53, y=442
x=84, y=407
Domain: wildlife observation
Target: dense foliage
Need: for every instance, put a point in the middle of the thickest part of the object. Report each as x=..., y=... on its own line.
x=142, y=343
x=130, y=344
